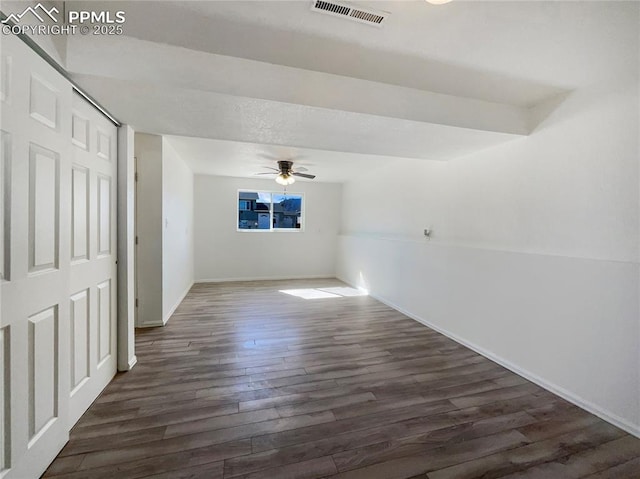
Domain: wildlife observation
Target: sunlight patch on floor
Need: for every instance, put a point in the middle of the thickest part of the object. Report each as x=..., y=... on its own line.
x=344, y=291
x=322, y=293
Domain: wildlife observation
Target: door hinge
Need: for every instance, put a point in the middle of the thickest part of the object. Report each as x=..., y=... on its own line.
x=135, y=176
x=136, y=302
x=136, y=240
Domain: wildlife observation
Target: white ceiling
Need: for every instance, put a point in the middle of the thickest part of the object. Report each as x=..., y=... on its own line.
x=232, y=158
x=238, y=78
x=534, y=47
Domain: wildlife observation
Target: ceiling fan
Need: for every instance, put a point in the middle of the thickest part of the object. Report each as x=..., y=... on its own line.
x=286, y=173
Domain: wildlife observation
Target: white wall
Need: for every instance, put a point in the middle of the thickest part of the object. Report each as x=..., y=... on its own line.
x=148, y=152
x=126, y=249
x=177, y=230
x=164, y=212
x=534, y=259
x=224, y=254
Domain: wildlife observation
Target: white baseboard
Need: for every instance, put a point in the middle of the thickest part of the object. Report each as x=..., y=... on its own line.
x=175, y=306
x=264, y=278
x=151, y=325
x=132, y=362
x=543, y=383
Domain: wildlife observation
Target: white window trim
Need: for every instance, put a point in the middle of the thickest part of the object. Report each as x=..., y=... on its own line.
x=271, y=228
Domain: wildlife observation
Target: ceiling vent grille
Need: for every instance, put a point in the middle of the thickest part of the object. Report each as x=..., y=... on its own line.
x=370, y=17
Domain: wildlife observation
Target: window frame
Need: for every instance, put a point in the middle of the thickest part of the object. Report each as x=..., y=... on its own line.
x=271, y=228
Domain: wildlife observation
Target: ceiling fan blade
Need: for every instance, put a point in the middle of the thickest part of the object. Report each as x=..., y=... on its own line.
x=270, y=168
x=301, y=168
x=304, y=175
x=258, y=174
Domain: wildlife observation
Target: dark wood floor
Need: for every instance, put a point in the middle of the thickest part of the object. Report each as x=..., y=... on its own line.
x=248, y=382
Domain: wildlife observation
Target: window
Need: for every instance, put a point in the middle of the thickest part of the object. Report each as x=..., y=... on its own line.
x=269, y=211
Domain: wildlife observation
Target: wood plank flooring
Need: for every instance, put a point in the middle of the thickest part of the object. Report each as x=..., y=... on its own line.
x=248, y=382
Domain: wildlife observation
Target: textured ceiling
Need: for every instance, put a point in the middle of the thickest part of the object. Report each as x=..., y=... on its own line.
x=231, y=158
x=434, y=83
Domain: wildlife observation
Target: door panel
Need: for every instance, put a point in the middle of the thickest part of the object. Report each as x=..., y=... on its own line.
x=80, y=213
x=43, y=102
x=104, y=215
x=93, y=266
x=104, y=320
x=57, y=267
x=80, y=340
x=44, y=184
x=43, y=368
x=34, y=311
x=5, y=152
x=5, y=429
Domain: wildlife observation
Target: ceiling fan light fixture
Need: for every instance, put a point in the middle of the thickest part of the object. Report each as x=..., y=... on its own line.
x=285, y=180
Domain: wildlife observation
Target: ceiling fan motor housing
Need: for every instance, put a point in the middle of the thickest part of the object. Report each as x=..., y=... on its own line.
x=285, y=167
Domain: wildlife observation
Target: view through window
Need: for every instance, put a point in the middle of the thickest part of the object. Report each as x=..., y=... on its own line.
x=268, y=211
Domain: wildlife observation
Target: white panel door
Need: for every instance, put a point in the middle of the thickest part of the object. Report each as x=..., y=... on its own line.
x=57, y=267
x=92, y=334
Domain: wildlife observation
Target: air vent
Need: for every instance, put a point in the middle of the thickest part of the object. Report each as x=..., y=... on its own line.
x=344, y=10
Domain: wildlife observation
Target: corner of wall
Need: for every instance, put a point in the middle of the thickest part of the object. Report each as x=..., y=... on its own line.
x=126, y=248
x=175, y=306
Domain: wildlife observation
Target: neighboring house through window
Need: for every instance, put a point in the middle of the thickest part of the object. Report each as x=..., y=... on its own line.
x=269, y=211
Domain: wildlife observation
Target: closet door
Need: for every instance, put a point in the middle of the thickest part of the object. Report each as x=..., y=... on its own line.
x=93, y=255
x=57, y=324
